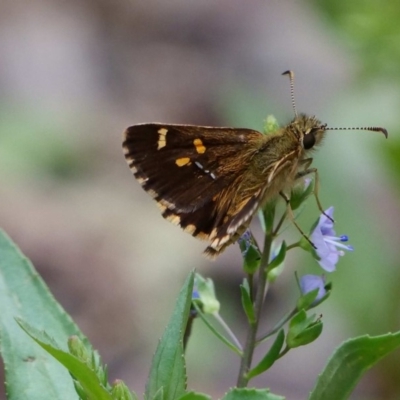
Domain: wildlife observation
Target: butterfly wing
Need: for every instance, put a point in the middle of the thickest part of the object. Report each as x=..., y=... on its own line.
x=198, y=176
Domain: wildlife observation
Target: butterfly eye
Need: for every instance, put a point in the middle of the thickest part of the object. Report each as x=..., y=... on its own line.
x=309, y=140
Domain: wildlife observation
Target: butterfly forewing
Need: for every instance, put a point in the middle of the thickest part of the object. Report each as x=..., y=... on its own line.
x=195, y=174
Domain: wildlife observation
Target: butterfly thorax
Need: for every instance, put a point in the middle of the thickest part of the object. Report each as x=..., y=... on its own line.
x=273, y=163
x=280, y=156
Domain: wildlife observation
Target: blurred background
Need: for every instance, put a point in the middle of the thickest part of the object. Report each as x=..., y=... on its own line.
x=74, y=74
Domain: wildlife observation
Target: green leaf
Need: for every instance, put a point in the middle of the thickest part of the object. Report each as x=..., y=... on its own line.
x=349, y=362
x=31, y=373
x=194, y=396
x=303, y=330
x=168, y=371
x=267, y=216
x=278, y=260
x=251, y=394
x=304, y=302
x=299, y=195
x=328, y=288
x=270, y=357
x=310, y=334
x=86, y=376
x=250, y=252
x=251, y=260
x=159, y=395
x=247, y=304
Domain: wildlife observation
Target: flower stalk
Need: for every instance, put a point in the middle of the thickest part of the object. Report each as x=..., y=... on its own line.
x=260, y=294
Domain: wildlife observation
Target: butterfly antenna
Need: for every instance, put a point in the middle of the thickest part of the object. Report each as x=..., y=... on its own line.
x=291, y=77
x=363, y=128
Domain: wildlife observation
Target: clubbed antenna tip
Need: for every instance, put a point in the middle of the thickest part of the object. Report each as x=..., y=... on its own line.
x=361, y=128
x=384, y=131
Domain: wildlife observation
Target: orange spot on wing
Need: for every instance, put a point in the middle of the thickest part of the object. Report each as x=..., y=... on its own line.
x=180, y=162
x=200, y=148
x=162, y=138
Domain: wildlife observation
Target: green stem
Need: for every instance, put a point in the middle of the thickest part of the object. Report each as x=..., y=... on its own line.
x=249, y=347
x=223, y=339
x=228, y=330
x=250, y=280
x=279, y=224
x=285, y=351
x=293, y=245
x=278, y=326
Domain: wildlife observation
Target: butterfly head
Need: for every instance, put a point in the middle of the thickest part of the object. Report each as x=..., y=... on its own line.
x=309, y=131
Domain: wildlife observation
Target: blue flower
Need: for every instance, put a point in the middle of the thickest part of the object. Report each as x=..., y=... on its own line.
x=195, y=293
x=328, y=246
x=308, y=283
x=245, y=242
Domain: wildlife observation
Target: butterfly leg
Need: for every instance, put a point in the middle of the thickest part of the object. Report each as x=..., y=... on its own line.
x=290, y=214
x=314, y=171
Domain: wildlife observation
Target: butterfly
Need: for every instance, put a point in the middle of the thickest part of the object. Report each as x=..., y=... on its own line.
x=211, y=180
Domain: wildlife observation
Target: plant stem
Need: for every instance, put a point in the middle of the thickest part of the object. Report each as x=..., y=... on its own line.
x=249, y=347
x=228, y=330
x=279, y=224
x=278, y=326
x=221, y=337
x=293, y=246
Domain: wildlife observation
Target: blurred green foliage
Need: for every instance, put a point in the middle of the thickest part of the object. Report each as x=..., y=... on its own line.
x=371, y=30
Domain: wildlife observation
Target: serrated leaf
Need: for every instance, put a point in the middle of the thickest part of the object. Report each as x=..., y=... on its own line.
x=168, y=371
x=81, y=372
x=269, y=359
x=194, y=396
x=251, y=394
x=349, y=362
x=31, y=373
